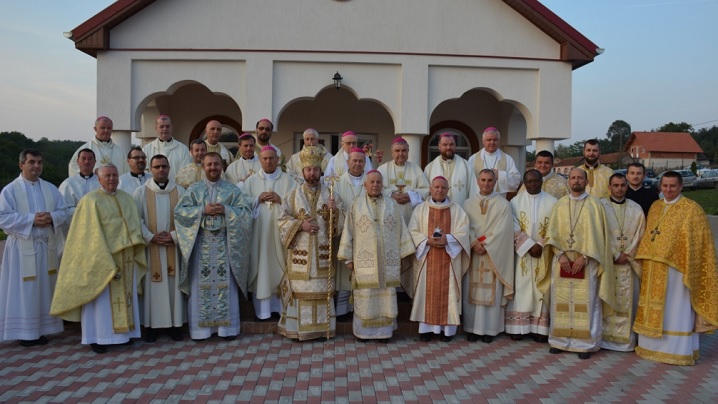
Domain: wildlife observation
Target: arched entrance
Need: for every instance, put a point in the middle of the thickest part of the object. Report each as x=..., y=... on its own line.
x=466, y=141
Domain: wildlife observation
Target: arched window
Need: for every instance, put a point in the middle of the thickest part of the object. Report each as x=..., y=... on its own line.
x=463, y=146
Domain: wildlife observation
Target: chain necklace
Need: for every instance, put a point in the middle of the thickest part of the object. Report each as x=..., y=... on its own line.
x=573, y=223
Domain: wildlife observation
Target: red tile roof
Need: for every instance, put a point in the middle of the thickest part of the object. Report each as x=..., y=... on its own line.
x=94, y=34
x=677, y=142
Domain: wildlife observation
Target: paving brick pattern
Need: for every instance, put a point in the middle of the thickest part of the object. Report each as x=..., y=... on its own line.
x=269, y=368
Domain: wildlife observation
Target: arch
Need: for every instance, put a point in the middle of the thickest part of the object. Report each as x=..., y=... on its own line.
x=332, y=112
x=434, y=132
x=190, y=104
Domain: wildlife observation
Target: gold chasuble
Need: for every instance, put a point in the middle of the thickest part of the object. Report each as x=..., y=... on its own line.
x=103, y=248
x=375, y=238
x=306, y=289
x=598, y=176
x=577, y=227
x=436, y=276
x=677, y=236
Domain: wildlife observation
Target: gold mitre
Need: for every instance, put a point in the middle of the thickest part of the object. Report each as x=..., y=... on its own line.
x=311, y=156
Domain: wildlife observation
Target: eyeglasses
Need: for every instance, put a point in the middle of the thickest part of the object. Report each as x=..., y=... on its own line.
x=160, y=167
x=139, y=157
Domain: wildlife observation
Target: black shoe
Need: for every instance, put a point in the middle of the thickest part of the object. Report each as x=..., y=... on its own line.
x=98, y=349
x=360, y=339
x=345, y=318
x=487, y=339
x=384, y=340
x=540, y=338
x=471, y=337
x=517, y=337
x=446, y=338
x=426, y=337
x=175, y=333
x=584, y=355
x=230, y=337
x=150, y=335
x=42, y=340
x=28, y=342
x=554, y=351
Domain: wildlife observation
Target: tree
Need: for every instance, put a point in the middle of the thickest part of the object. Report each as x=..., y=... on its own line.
x=675, y=127
x=617, y=134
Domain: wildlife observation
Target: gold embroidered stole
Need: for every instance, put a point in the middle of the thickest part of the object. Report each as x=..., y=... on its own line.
x=121, y=285
x=28, y=266
x=154, y=249
x=438, y=271
x=571, y=316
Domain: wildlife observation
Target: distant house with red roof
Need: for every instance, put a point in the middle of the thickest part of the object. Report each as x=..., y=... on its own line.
x=664, y=150
x=563, y=166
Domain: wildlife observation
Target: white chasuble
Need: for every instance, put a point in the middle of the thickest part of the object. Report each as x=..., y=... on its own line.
x=488, y=286
x=528, y=311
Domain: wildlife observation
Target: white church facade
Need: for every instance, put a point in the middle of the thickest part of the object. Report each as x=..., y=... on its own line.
x=413, y=68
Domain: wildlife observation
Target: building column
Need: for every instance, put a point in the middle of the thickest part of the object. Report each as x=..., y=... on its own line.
x=122, y=138
x=414, y=141
x=545, y=144
x=518, y=153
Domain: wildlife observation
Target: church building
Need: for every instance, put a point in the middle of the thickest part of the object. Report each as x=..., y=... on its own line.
x=414, y=68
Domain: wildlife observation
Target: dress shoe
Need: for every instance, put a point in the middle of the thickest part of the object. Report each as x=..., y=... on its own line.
x=384, y=340
x=446, y=338
x=32, y=342
x=584, y=355
x=554, y=351
x=517, y=337
x=175, y=333
x=471, y=337
x=150, y=335
x=230, y=337
x=360, y=339
x=540, y=338
x=98, y=349
x=487, y=339
x=426, y=337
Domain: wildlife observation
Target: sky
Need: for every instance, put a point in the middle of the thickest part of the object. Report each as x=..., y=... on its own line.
x=660, y=65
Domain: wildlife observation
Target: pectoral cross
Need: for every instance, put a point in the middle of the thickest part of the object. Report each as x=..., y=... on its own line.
x=621, y=238
x=571, y=241
x=655, y=232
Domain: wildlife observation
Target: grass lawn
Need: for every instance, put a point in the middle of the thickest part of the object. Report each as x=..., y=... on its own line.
x=3, y=236
x=707, y=198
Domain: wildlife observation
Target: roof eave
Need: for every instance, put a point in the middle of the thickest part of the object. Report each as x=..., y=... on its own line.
x=93, y=35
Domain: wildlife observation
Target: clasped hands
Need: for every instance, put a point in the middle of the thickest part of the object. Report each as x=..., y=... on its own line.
x=402, y=198
x=214, y=209
x=42, y=219
x=437, y=242
x=270, y=196
x=163, y=238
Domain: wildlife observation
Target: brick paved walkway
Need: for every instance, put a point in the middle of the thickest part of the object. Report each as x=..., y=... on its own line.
x=270, y=368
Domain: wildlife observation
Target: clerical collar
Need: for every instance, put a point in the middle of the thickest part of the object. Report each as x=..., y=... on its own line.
x=165, y=141
x=635, y=189
x=588, y=167
x=489, y=196
x=354, y=177
x=621, y=202
x=673, y=201
x=108, y=192
x=578, y=198
x=29, y=181
x=245, y=159
x=533, y=195
x=161, y=185
x=108, y=141
x=444, y=202
x=488, y=153
x=374, y=198
x=272, y=176
x=447, y=161
x=87, y=177
x=141, y=175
